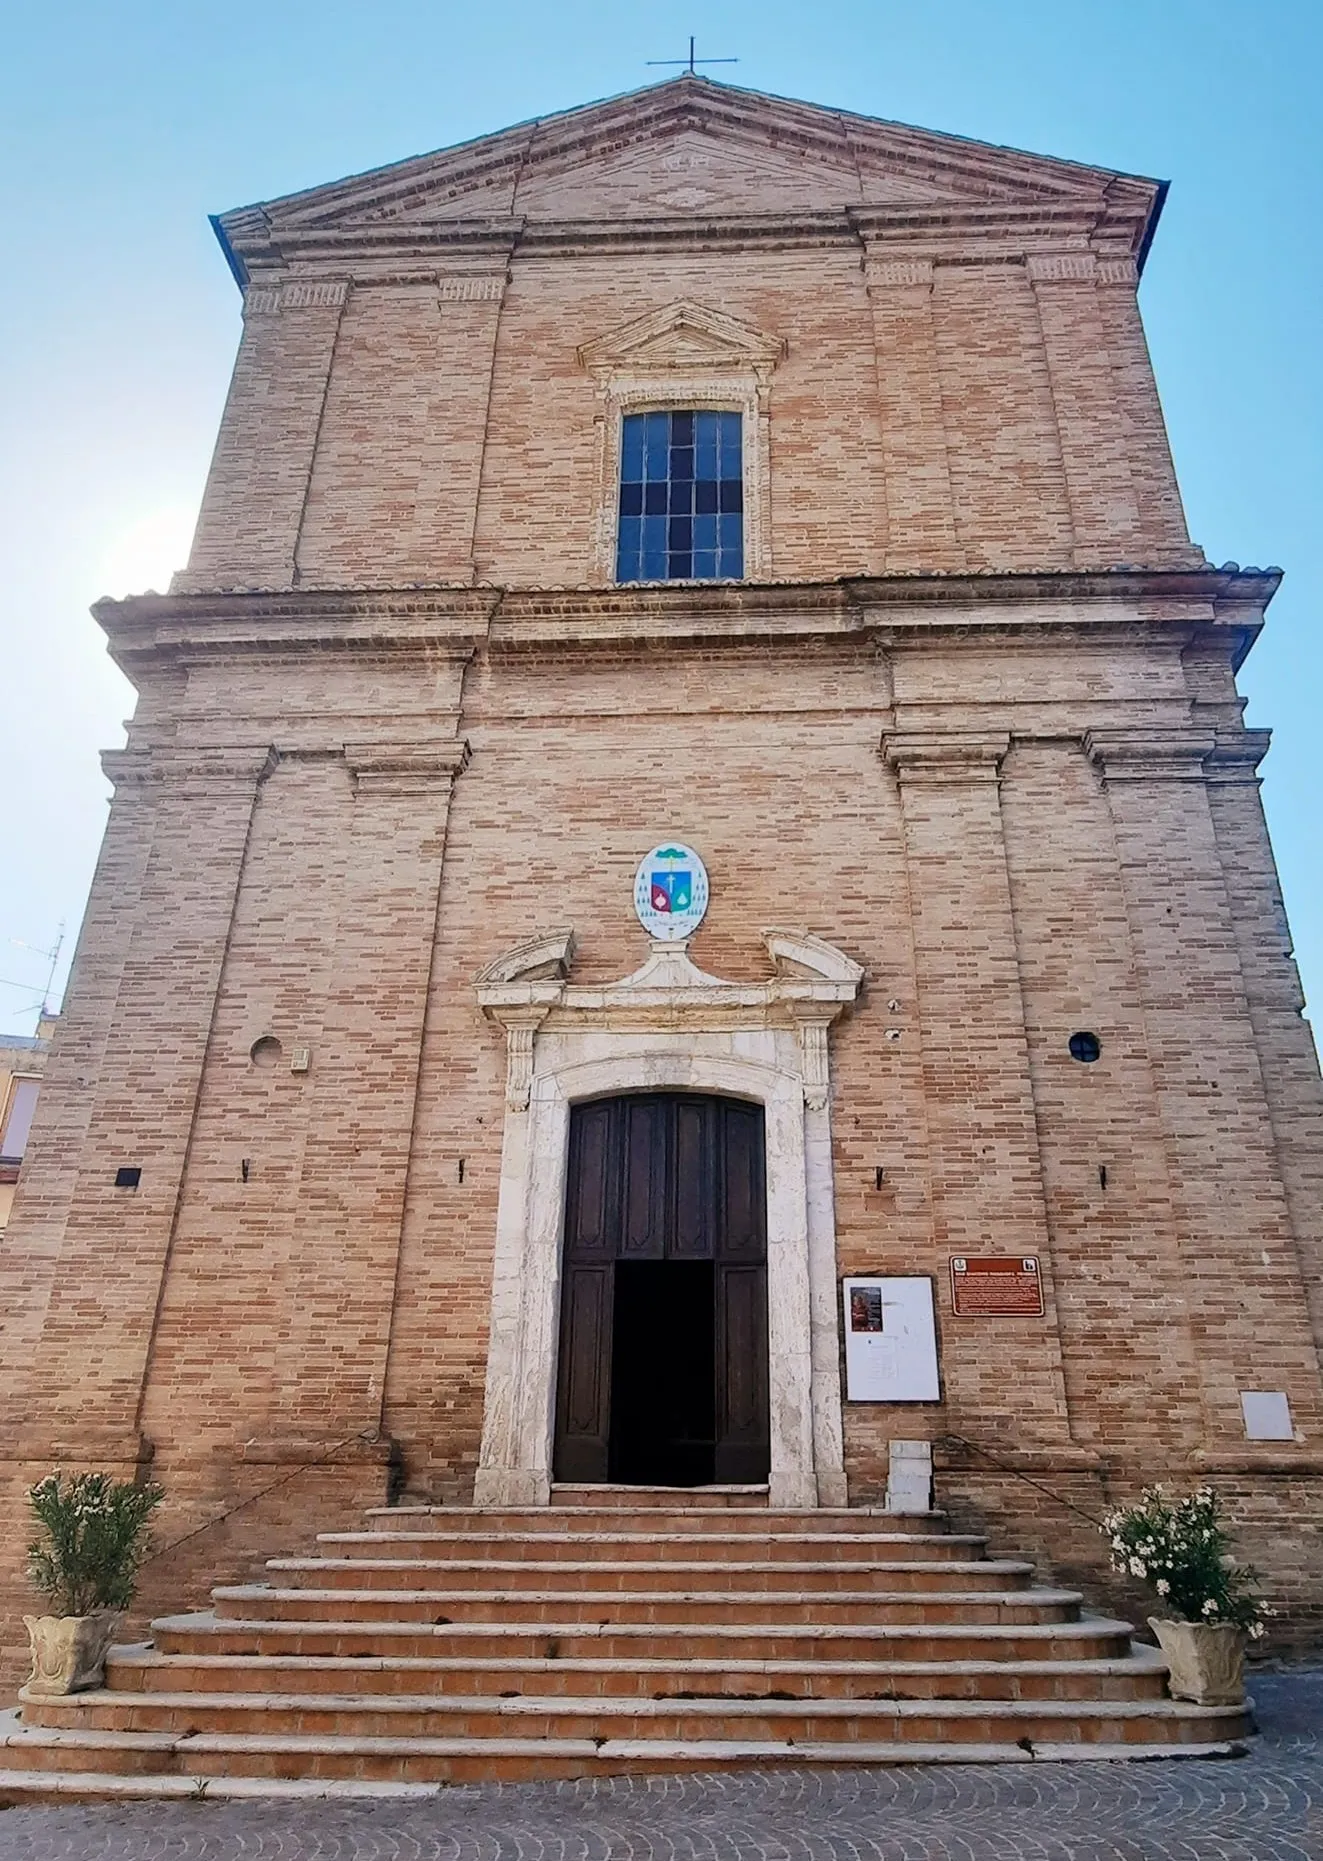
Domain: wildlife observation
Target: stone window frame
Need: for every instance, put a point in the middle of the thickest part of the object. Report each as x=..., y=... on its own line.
x=684, y=358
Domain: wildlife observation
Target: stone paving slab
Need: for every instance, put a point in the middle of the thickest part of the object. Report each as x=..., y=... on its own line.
x=1264, y=1807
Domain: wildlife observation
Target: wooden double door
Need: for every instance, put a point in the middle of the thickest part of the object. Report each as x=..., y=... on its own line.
x=663, y=1375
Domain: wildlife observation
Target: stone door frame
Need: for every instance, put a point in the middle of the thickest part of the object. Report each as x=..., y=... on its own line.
x=667, y=1027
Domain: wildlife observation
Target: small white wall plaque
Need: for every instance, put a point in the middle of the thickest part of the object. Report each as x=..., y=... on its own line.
x=670, y=891
x=1267, y=1415
x=890, y=1340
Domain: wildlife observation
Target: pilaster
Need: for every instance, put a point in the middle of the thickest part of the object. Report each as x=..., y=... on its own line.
x=1274, y=997
x=252, y=509
x=1163, y=535
x=107, y=1253
x=986, y=1175
x=363, y=1083
x=1242, y=1268
x=1094, y=457
x=35, y=1233
x=921, y=528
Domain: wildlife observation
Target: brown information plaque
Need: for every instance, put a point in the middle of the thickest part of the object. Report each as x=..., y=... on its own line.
x=996, y=1286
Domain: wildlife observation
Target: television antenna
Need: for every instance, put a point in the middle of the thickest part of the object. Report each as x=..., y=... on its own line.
x=52, y=956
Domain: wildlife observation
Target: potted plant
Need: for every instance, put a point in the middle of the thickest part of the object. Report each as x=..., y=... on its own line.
x=85, y=1559
x=1181, y=1550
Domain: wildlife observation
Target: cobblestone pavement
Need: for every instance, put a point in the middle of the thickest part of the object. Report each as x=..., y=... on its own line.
x=1266, y=1807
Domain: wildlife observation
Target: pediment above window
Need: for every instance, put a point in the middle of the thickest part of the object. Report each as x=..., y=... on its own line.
x=683, y=338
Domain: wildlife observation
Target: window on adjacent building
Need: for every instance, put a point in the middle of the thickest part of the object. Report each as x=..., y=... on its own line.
x=18, y=1118
x=681, y=497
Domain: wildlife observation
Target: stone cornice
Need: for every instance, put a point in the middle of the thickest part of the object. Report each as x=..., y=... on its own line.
x=956, y=233
x=447, y=622
x=886, y=176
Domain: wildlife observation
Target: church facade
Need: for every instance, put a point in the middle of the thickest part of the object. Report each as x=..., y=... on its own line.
x=693, y=761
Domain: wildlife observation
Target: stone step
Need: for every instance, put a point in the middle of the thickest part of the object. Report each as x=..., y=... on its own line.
x=1139, y=1675
x=604, y=1577
x=344, y=1735
x=285, y=1770
x=706, y=1498
x=562, y=1607
x=591, y=1519
x=763, y=1547
x=203, y=1633
x=449, y=1644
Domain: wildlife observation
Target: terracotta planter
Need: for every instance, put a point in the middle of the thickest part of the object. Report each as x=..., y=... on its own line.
x=1206, y=1659
x=69, y=1651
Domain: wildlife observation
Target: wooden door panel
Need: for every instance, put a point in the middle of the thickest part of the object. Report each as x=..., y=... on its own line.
x=741, y=1353
x=592, y=1200
x=583, y=1409
x=675, y=1176
x=692, y=1235
x=643, y=1234
x=744, y=1197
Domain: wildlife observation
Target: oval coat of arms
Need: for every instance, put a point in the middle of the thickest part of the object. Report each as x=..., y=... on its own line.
x=670, y=892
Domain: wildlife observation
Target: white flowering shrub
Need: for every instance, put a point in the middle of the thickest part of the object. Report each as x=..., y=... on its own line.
x=91, y=1541
x=1181, y=1549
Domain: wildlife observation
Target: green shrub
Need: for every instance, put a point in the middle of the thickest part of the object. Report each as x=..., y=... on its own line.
x=1181, y=1549
x=92, y=1540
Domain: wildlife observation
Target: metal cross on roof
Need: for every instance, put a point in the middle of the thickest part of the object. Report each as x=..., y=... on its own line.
x=689, y=64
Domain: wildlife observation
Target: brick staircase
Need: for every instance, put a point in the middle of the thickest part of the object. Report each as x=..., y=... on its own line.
x=619, y=1630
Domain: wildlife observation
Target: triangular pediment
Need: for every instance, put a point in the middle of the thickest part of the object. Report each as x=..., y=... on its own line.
x=688, y=149
x=682, y=336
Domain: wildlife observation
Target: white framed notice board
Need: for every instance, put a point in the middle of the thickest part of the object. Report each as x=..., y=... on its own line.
x=890, y=1340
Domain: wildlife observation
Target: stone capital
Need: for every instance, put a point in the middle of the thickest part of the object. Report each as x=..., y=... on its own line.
x=914, y=274
x=269, y=300
x=240, y=766
x=1235, y=759
x=957, y=756
x=405, y=769
x=1118, y=271
x=489, y=289
x=1149, y=755
x=1061, y=267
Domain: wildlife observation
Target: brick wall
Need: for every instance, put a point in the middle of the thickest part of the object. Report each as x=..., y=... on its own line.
x=1024, y=803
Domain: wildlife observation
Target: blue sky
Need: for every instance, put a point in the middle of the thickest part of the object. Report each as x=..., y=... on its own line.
x=123, y=127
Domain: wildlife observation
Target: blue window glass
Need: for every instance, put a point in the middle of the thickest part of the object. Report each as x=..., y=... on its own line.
x=681, y=498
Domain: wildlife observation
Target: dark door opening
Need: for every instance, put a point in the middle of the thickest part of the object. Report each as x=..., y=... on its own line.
x=663, y=1373
x=663, y=1389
